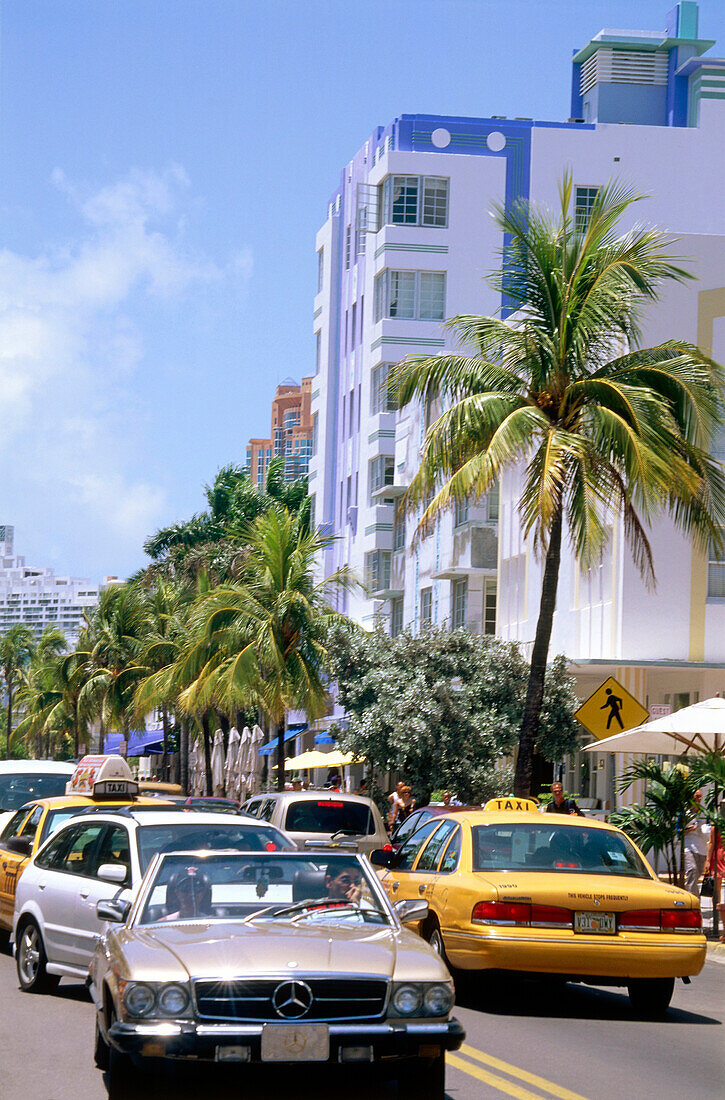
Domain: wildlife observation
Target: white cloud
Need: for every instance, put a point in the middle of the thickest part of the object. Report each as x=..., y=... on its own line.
x=70, y=345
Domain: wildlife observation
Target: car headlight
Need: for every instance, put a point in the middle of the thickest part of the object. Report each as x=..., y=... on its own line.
x=172, y=1000
x=438, y=1000
x=139, y=999
x=407, y=999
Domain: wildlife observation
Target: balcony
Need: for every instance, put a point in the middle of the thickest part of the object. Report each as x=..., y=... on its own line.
x=474, y=550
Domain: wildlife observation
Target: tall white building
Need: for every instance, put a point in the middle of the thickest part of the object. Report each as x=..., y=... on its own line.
x=407, y=241
x=38, y=597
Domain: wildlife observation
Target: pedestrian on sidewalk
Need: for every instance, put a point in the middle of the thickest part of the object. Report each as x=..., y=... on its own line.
x=697, y=832
x=403, y=807
x=561, y=805
x=715, y=866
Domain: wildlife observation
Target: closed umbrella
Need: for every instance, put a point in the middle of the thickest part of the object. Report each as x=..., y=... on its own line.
x=255, y=769
x=198, y=780
x=217, y=765
x=192, y=767
x=231, y=773
x=243, y=763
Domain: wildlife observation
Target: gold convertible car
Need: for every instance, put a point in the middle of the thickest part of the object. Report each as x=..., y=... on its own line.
x=265, y=958
x=512, y=889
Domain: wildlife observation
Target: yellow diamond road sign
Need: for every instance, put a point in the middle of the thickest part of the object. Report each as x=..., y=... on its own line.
x=611, y=709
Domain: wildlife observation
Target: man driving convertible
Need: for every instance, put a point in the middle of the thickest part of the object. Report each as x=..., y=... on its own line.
x=343, y=881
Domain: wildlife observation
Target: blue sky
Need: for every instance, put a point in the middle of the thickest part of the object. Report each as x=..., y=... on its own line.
x=165, y=165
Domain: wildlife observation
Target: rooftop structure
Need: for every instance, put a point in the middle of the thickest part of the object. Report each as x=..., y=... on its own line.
x=290, y=436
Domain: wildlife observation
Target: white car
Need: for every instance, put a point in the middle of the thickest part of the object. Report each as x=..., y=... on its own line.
x=23, y=781
x=102, y=855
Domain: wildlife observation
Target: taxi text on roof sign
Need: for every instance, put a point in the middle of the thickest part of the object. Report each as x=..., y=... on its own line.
x=511, y=802
x=103, y=777
x=611, y=709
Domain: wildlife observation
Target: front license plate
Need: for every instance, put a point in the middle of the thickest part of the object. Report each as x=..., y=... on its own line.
x=598, y=924
x=295, y=1043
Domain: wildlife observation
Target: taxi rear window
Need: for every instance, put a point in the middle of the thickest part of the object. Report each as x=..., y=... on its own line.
x=564, y=849
x=22, y=787
x=193, y=838
x=329, y=816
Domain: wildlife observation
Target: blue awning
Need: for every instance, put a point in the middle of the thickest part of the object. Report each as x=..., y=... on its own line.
x=140, y=742
x=289, y=733
x=324, y=738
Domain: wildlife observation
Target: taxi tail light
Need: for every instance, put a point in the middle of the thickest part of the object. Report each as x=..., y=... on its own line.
x=501, y=912
x=646, y=920
x=681, y=918
x=551, y=916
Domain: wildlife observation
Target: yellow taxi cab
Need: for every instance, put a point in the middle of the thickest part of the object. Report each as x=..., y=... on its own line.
x=97, y=780
x=512, y=889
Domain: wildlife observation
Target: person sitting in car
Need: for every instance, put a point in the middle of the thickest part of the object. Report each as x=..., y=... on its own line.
x=343, y=882
x=188, y=895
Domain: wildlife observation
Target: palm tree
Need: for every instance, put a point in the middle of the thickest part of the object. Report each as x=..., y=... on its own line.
x=17, y=646
x=273, y=627
x=37, y=694
x=598, y=428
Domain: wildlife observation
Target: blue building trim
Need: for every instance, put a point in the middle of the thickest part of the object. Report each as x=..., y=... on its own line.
x=577, y=100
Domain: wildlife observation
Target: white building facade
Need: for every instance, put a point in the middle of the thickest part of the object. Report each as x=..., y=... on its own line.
x=408, y=242
x=39, y=598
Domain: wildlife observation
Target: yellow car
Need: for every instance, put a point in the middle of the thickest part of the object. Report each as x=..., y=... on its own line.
x=107, y=782
x=512, y=889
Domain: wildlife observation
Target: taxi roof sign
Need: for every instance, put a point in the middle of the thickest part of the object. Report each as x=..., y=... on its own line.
x=512, y=802
x=103, y=777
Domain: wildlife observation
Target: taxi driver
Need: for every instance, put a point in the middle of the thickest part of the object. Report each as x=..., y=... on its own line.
x=343, y=882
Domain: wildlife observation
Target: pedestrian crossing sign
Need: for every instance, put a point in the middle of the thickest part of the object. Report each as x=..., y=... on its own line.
x=611, y=709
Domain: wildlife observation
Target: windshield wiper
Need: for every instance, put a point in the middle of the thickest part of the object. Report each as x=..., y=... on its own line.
x=346, y=832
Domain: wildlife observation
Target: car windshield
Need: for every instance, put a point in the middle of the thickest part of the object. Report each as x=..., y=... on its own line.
x=22, y=787
x=190, y=837
x=325, y=815
x=256, y=888
x=569, y=849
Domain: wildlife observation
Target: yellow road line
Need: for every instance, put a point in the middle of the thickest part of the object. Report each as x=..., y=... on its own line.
x=492, y=1079
x=522, y=1074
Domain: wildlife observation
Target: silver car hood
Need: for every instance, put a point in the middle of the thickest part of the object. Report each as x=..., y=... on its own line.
x=182, y=951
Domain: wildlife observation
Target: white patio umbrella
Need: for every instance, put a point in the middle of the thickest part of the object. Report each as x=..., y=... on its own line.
x=197, y=778
x=243, y=764
x=697, y=728
x=255, y=761
x=231, y=768
x=193, y=751
x=217, y=765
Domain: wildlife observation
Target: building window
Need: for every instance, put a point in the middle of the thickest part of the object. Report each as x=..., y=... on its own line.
x=312, y=511
x=461, y=513
x=320, y=269
x=415, y=200
x=492, y=501
x=459, y=609
x=347, y=247
x=381, y=398
x=396, y=617
x=584, y=199
x=315, y=422
x=410, y=295
x=318, y=351
x=426, y=607
x=489, y=608
x=382, y=472
x=716, y=571
x=399, y=529
x=377, y=570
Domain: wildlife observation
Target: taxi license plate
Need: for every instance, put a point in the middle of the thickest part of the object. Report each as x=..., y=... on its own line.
x=599, y=924
x=295, y=1043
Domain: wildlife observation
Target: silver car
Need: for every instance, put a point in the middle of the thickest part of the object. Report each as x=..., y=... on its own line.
x=269, y=958
x=100, y=854
x=323, y=819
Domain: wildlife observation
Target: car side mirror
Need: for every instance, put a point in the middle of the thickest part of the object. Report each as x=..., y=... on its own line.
x=113, y=910
x=21, y=845
x=411, y=912
x=112, y=872
x=381, y=857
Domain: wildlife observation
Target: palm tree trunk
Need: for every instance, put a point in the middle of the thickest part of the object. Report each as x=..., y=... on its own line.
x=165, y=756
x=207, y=751
x=184, y=758
x=280, y=755
x=9, y=716
x=539, y=656
x=101, y=734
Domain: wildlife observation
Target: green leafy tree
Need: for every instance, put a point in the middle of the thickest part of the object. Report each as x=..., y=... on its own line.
x=17, y=647
x=444, y=707
x=595, y=429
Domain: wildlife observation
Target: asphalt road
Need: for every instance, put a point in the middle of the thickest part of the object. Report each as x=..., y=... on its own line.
x=534, y=1042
